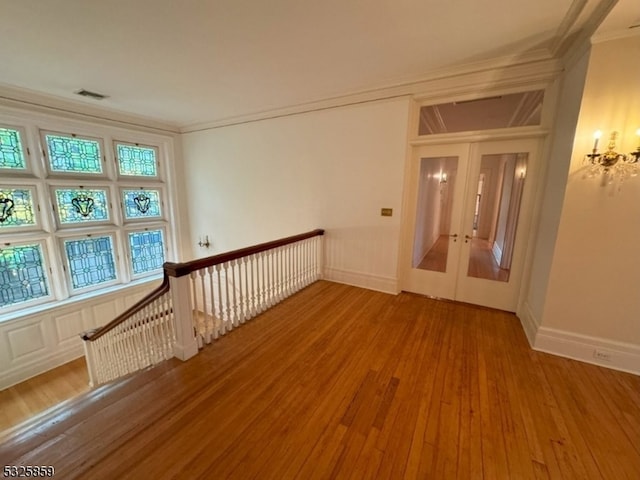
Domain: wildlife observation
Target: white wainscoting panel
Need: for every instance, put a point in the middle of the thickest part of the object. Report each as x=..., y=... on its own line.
x=26, y=340
x=49, y=337
x=365, y=280
x=68, y=326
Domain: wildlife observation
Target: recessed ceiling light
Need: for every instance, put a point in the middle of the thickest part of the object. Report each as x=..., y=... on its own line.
x=90, y=94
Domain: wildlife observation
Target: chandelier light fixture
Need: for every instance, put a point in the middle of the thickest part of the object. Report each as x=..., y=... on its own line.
x=611, y=164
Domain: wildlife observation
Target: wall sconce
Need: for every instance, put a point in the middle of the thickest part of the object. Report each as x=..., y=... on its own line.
x=612, y=162
x=205, y=243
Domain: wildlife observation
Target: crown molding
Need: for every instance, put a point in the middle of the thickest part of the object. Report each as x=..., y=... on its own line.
x=25, y=99
x=586, y=22
x=617, y=35
x=533, y=67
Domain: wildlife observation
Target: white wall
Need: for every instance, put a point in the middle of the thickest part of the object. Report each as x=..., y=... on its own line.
x=331, y=169
x=429, y=208
x=558, y=158
x=592, y=301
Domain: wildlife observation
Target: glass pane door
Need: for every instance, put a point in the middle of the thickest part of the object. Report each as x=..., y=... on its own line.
x=497, y=216
x=435, y=189
x=433, y=213
x=496, y=211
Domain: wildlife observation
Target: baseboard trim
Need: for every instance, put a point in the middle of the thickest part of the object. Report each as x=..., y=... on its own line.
x=529, y=323
x=379, y=283
x=13, y=376
x=622, y=356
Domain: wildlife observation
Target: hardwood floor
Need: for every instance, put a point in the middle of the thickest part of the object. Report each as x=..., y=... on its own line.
x=482, y=264
x=25, y=400
x=436, y=258
x=340, y=382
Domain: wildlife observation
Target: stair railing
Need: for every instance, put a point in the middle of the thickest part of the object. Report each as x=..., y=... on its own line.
x=201, y=300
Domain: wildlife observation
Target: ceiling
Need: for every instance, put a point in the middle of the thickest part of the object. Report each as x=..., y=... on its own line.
x=189, y=62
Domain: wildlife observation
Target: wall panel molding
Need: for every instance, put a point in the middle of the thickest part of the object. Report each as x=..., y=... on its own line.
x=365, y=280
x=37, y=342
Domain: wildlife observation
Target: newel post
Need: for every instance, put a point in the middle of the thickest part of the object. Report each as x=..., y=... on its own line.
x=186, y=345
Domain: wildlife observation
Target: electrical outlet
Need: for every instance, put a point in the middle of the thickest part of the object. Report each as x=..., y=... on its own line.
x=602, y=355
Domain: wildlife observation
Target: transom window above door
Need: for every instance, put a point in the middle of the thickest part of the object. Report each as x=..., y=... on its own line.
x=500, y=111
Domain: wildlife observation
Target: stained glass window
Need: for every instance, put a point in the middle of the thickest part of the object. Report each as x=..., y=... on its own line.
x=73, y=155
x=81, y=205
x=91, y=261
x=16, y=207
x=137, y=160
x=22, y=274
x=141, y=203
x=147, y=251
x=11, y=153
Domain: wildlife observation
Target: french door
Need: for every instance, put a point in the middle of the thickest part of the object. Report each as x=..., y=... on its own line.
x=469, y=218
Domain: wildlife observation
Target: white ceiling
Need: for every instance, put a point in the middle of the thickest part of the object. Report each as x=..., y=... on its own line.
x=186, y=62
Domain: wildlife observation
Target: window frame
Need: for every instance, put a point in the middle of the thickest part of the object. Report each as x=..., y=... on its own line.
x=66, y=264
x=26, y=154
x=88, y=175
x=33, y=188
x=143, y=228
x=50, y=234
x=53, y=186
x=48, y=274
x=129, y=220
x=137, y=178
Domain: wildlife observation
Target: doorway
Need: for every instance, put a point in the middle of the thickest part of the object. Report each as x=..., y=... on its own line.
x=470, y=209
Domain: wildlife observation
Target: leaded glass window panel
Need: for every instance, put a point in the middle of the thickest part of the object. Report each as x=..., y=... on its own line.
x=16, y=208
x=81, y=205
x=147, y=251
x=137, y=160
x=68, y=154
x=11, y=152
x=91, y=261
x=139, y=204
x=22, y=274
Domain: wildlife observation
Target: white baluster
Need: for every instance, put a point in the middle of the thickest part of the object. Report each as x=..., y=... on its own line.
x=271, y=276
x=307, y=262
x=289, y=270
x=221, y=326
x=247, y=306
x=202, y=315
x=282, y=274
x=229, y=318
x=254, y=290
x=263, y=298
x=233, y=264
x=214, y=326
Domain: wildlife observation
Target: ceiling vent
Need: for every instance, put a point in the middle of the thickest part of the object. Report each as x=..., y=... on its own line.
x=93, y=95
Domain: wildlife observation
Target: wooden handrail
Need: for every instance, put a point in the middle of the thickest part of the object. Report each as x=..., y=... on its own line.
x=92, y=335
x=180, y=269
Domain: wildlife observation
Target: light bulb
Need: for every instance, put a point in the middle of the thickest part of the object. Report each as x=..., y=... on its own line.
x=596, y=135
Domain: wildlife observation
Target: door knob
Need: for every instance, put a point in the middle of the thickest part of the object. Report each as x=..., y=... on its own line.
x=455, y=237
x=467, y=238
